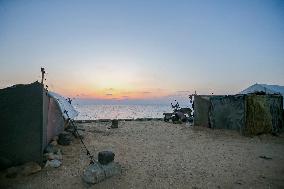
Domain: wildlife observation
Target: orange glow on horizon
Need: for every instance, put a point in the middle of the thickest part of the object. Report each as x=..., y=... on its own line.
x=110, y=93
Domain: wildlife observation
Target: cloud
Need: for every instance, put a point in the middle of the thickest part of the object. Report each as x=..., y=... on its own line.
x=183, y=91
x=146, y=92
x=81, y=95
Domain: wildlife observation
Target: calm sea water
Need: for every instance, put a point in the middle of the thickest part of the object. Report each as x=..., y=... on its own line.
x=92, y=112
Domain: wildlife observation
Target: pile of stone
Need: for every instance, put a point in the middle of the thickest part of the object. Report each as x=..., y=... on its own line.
x=52, y=153
x=103, y=169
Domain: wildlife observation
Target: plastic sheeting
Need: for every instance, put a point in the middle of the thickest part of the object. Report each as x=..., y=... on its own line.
x=263, y=114
x=64, y=105
x=267, y=89
x=227, y=112
x=201, y=110
x=249, y=114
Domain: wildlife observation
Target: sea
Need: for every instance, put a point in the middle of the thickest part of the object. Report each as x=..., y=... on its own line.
x=94, y=112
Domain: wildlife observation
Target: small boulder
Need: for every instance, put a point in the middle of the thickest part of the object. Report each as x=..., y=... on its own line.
x=55, y=138
x=50, y=148
x=97, y=172
x=111, y=169
x=54, y=143
x=64, y=138
x=93, y=174
x=53, y=163
x=51, y=156
x=105, y=157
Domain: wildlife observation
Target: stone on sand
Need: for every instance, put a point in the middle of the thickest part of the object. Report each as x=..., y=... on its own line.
x=97, y=172
x=64, y=138
x=53, y=163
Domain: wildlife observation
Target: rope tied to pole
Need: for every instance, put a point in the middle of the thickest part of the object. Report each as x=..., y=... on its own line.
x=91, y=157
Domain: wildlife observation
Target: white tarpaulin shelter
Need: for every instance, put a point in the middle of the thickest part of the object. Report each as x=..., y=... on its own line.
x=268, y=89
x=64, y=105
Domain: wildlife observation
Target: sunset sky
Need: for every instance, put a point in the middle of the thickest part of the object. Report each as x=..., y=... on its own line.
x=146, y=49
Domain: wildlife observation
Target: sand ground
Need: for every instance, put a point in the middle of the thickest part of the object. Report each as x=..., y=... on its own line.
x=155, y=154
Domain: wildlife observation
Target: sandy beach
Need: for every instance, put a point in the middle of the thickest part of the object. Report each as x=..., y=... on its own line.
x=155, y=154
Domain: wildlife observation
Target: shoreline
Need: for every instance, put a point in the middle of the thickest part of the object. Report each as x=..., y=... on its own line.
x=109, y=120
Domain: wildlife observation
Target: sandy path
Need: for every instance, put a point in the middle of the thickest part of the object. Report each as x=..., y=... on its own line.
x=155, y=154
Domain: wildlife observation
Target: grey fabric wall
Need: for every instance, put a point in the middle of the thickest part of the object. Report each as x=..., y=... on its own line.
x=201, y=110
x=21, y=115
x=227, y=112
x=264, y=114
x=249, y=114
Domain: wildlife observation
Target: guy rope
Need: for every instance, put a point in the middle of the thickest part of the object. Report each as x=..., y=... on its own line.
x=92, y=161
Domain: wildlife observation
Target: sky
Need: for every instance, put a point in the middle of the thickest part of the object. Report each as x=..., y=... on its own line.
x=147, y=50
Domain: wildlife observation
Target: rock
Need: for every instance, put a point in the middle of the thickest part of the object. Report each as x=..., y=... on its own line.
x=53, y=163
x=97, y=172
x=64, y=138
x=105, y=157
x=93, y=174
x=114, y=123
x=23, y=170
x=111, y=169
x=54, y=143
x=51, y=149
x=51, y=156
x=55, y=138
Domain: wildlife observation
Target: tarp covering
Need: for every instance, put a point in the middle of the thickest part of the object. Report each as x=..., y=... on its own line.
x=267, y=89
x=22, y=124
x=30, y=117
x=249, y=114
x=55, y=121
x=64, y=105
x=201, y=110
x=263, y=114
x=227, y=112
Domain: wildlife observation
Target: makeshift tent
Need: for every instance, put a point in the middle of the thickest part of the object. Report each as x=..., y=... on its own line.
x=201, y=110
x=249, y=114
x=267, y=89
x=30, y=117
